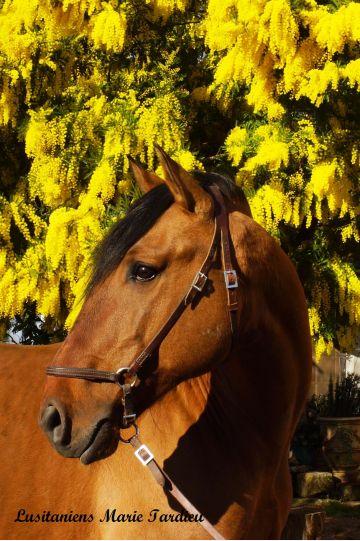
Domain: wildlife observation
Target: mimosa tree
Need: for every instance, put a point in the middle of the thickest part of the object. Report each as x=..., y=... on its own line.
x=265, y=90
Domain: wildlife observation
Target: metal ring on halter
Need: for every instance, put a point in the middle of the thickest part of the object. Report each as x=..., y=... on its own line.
x=121, y=374
x=128, y=440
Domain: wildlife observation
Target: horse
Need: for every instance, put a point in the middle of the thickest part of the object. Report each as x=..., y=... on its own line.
x=217, y=401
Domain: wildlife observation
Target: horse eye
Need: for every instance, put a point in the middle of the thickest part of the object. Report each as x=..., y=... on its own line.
x=143, y=273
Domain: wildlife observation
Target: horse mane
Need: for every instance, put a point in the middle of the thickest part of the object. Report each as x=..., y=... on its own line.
x=142, y=215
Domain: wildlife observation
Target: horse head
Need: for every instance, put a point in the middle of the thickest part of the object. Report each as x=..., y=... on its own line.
x=143, y=267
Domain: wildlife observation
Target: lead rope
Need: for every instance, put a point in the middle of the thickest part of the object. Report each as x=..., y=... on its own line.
x=146, y=457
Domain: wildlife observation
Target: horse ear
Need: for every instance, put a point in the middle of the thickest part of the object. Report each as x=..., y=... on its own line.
x=184, y=187
x=146, y=180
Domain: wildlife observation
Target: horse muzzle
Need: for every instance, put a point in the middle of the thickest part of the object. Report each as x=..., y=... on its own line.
x=89, y=444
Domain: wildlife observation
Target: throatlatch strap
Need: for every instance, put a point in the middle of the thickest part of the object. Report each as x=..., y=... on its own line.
x=230, y=274
x=143, y=453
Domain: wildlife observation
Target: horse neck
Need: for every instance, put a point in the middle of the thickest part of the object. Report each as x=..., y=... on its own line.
x=206, y=412
x=200, y=433
x=210, y=434
x=245, y=402
x=200, y=401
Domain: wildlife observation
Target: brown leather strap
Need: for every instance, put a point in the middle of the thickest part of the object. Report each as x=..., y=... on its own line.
x=230, y=274
x=196, y=287
x=143, y=453
x=90, y=374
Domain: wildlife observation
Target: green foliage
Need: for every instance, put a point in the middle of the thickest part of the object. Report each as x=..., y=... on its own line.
x=341, y=401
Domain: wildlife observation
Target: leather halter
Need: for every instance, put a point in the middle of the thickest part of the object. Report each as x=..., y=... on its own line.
x=123, y=374
x=125, y=377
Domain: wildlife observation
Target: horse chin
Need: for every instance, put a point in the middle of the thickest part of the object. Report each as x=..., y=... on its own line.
x=103, y=442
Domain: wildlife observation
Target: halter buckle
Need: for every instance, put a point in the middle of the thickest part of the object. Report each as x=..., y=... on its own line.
x=129, y=419
x=144, y=454
x=199, y=281
x=231, y=279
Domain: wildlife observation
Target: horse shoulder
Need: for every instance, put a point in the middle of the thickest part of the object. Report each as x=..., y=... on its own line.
x=34, y=477
x=22, y=376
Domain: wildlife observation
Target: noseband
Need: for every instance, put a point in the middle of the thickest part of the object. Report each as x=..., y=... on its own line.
x=126, y=377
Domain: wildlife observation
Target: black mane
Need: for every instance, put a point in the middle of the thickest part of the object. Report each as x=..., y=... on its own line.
x=140, y=218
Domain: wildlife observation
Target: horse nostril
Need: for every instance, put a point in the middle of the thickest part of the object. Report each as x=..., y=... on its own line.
x=51, y=418
x=53, y=425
